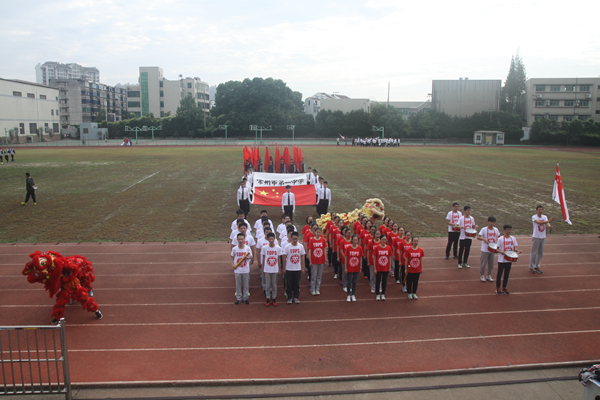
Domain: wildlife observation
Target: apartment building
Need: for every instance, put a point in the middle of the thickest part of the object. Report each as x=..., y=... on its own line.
x=55, y=70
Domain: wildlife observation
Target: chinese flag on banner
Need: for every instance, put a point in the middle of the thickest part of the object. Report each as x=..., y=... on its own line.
x=286, y=158
x=267, y=160
x=277, y=158
x=271, y=195
x=558, y=195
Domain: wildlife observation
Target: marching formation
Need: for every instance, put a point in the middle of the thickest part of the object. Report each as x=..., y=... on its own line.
x=375, y=142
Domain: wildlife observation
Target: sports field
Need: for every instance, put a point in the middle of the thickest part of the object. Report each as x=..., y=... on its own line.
x=162, y=194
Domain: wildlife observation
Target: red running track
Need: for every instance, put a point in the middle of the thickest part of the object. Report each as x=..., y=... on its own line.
x=169, y=316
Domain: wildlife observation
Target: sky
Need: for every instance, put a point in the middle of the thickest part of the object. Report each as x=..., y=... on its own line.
x=350, y=47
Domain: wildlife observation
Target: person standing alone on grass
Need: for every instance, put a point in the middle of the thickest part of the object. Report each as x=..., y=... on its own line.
x=465, y=222
x=453, y=231
x=413, y=258
x=505, y=243
x=540, y=223
x=293, y=259
x=270, y=261
x=30, y=187
x=241, y=257
x=487, y=235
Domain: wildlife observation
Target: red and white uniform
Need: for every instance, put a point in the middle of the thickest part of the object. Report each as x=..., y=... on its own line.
x=465, y=223
x=353, y=258
x=539, y=230
x=491, y=235
x=317, y=248
x=271, y=258
x=453, y=218
x=238, y=254
x=372, y=244
x=294, y=257
x=342, y=245
x=413, y=258
x=382, y=256
x=506, y=244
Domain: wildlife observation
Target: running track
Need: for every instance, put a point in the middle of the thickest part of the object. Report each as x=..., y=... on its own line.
x=169, y=316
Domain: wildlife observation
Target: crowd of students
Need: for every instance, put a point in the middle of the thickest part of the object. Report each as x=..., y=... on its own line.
x=349, y=250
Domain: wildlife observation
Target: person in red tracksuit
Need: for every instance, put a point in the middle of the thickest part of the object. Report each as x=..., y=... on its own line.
x=352, y=260
x=382, y=257
x=414, y=262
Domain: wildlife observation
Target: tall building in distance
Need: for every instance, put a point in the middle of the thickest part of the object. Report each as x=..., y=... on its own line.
x=159, y=96
x=465, y=97
x=334, y=102
x=563, y=99
x=55, y=70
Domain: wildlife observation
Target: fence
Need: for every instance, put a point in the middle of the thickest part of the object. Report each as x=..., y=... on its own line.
x=29, y=356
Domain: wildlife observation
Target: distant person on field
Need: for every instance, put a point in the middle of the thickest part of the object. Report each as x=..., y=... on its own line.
x=271, y=167
x=12, y=155
x=540, y=223
x=6, y=153
x=282, y=169
x=243, y=201
x=453, y=231
x=30, y=187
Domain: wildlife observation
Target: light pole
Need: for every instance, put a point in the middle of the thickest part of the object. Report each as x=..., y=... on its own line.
x=381, y=129
x=136, y=129
x=291, y=128
x=9, y=131
x=257, y=128
x=224, y=127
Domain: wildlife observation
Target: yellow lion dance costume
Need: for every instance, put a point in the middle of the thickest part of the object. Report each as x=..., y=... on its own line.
x=373, y=208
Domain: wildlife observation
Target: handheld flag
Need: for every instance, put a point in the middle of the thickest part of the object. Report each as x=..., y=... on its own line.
x=277, y=158
x=558, y=195
x=267, y=159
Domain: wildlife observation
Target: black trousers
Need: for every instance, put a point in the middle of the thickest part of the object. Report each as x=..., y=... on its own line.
x=30, y=193
x=412, y=282
x=381, y=279
x=245, y=207
x=329, y=254
x=365, y=268
x=399, y=271
x=293, y=284
x=322, y=207
x=452, y=240
x=334, y=260
x=503, y=268
x=289, y=211
x=307, y=267
x=464, y=247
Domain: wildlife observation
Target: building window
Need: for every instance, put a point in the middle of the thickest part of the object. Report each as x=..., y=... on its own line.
x=189, y=85
x=597, y=111
x=540, y=88
x=55, y=127
x=86, y=130
x=42, y=96
x=33, y=128
x=145, y=93
x=162, y=93
x=18, y=94
x=554, y=103
x=162, y=104
x=568, y=118
x=137, y=114
x=569, y=88
x=584, y=103
x=584, y=88
x=21, y=128
x=538, y=117
x=31, y=95
x=553, y=117
x=540, y=103
x=160, y=83
x=569, y=103
x=51, y=112
x=134, y=104
x=555, y=88
x=584, y=117
x=132, y=93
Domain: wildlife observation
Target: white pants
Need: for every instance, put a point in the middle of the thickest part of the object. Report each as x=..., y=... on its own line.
x=315, y=277
x=537, y=252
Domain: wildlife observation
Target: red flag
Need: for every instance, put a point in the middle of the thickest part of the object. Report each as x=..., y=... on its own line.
x=267, y=160
x=295, y=155
x=247, y=156
x=277, y=158
x=301, y=159
x=558, y=195
x=286, y=158
x=255, y=158
x=271, y=195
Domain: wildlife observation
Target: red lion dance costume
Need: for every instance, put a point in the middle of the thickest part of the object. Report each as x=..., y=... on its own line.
x=70, y=278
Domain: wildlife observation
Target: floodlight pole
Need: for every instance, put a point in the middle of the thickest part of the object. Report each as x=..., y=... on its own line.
x=291, y=128
x=137, y=129
x=262, y=128
x=381, y=129
x=224, y=127
x=6, y=137
x=255, y=129
x=153, y=128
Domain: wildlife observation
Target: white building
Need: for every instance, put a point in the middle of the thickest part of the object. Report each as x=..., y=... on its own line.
x=55, y=70
x=334, y=102
x=465, y=97
x=563, y=99
x=409, y=108
x=157, y=95
x=28, y=107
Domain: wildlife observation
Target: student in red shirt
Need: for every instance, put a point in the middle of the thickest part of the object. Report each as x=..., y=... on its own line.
x=306, y=236
x=403, y=245
x=413, y=257
x=373, y=241
x=316, y=256
x=382, y=256
x=344, y=242
x=328, y=226
x=362, y=239
x=352, y=258
x=335, y=235
x=384, y=224
x=306, y=228
x=395, y=241
x=391, y=234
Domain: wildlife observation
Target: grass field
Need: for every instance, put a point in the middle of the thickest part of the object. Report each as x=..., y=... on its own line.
x=188, y=193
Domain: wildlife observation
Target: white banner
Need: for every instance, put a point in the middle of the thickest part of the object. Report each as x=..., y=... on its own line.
x=266, y=179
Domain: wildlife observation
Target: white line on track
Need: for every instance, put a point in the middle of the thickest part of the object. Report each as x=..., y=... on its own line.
x=387, y=342
x=342, y=300
x=140, y=181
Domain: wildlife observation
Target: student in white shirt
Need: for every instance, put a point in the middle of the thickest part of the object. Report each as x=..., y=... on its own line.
x=241, y=258
x=260, y=243
x=505, y=243
x=243, y=200
x=487, y=235
x=248, y=241
x=453, y=233
x=540, y=223
x=288, y=203
x=324, y=199
x=293, y=259
x=464, y=248
x=260, y=222
x=270, y=260
x=240, y=215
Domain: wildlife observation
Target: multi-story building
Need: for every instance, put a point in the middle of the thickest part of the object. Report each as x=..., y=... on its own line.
x=55, y=70
x=563, y=99
x=465, y=97
x=81, y=100
x=409, y=108
x=28, y=110
x=334, y=102
x=158, y=96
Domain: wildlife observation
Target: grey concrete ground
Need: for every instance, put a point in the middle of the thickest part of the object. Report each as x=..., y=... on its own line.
x=553, y=390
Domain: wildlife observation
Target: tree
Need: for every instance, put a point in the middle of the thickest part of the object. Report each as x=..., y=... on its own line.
x=189, y=119
x=101, y=115
x=512, y=95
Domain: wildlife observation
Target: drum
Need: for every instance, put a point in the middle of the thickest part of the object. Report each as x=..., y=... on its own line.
x=470, y=233
x=511, y=256
x=455, y=229
x=493, y=247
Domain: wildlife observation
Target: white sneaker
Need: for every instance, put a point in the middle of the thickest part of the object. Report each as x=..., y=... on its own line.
x=313, y=293
x=403, y=289
x=334, y=276
x=459, y=266
x=353, y=298
x=372, y=290
x=318, y=293
x=482, y=278
x=490, y=278
x=410, y=296
x=467, y=265
x=345, y=289
x=397, y=281
x=378, y=297
x=383, y=297
x=415, y=297
x=348, y=299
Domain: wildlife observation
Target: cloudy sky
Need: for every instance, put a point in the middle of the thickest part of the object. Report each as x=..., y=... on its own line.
x=354, y=47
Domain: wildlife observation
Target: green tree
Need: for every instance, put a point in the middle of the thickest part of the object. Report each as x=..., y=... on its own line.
x=101, y=115
x=513, y=92
x=189, y=119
